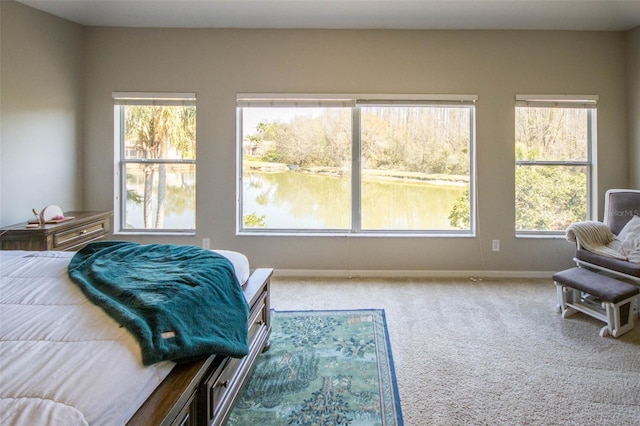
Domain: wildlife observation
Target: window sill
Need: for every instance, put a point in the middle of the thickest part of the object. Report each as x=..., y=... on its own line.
x=443, y=234
x=542, y=236
x=152, y=233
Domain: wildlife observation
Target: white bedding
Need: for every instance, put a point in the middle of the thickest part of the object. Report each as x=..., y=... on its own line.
x=63, y=361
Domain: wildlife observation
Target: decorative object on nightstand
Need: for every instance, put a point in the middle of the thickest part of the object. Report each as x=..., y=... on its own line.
x=66, y=232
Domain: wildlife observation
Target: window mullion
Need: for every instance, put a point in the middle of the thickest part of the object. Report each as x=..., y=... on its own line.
x=592, y=200
x=356, y=184
x=122, y=171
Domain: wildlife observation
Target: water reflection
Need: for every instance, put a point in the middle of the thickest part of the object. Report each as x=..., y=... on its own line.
x=304, y=201
x=297, y=200
x=180, y=198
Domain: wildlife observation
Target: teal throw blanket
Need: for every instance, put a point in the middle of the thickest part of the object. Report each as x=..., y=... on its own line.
x=180, y=302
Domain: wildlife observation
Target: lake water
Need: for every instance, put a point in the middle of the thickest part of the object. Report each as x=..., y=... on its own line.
x=294, y=200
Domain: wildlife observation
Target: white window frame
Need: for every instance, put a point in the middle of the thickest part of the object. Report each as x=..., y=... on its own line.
x=589, y=102
x=355, y=101
x=121, y=99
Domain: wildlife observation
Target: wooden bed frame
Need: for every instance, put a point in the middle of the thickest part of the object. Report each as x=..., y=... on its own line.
x=203, y=392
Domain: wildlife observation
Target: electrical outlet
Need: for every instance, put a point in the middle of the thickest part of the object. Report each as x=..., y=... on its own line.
x=495, y=245
x=206, y=243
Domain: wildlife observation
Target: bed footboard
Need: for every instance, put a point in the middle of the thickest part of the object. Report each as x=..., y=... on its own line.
x=204, y=392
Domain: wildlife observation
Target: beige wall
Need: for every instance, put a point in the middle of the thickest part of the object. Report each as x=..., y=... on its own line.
x=41, y=111
x=495, y=65
x=216, y=64
x=633, y=114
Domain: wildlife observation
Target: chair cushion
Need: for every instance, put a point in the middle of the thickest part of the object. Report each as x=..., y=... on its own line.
x=607, y=289
x=607, y=262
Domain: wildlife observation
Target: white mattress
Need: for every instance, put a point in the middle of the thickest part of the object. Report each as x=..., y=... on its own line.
x=240, y=264
x=63, y=361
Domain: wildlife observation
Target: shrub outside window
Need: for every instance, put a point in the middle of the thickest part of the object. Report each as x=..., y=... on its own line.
x=554, y=146
x=155, y=136
x=356, y=164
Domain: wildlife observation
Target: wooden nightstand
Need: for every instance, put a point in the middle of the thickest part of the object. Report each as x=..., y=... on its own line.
x=69, y=235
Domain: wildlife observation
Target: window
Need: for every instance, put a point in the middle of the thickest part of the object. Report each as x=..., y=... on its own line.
x=356, y=164
x=155, y=137
x=554, y=145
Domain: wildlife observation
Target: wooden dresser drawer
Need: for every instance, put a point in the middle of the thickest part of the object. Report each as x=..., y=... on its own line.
x=257, y=317
x=79, y=235
x=219, y=386
x=188, y=416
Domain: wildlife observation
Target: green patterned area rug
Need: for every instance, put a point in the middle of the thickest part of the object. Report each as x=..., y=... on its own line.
x=323, y=368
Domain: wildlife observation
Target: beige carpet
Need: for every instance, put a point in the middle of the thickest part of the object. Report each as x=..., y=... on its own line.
x=488, y=352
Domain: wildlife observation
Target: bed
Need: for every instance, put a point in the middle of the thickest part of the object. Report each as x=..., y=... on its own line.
x=65, y=361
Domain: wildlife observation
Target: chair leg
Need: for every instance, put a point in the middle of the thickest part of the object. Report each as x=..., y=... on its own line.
x=620, y=317
x=564, y=295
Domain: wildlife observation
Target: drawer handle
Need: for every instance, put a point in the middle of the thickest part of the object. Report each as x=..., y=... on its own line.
x=224, y=384
x=84, y=231
x=260, y=322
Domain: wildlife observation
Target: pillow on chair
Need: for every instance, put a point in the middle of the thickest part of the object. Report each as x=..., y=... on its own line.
x=629, y=236
x=631, y=248
x=632, y=227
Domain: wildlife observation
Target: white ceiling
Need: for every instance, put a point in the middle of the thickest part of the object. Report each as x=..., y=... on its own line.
x=597, y=15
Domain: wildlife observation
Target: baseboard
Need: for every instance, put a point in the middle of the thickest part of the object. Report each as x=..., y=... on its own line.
x=333, y=273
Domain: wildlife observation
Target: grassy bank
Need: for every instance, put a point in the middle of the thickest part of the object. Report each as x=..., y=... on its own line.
x=368, y=174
